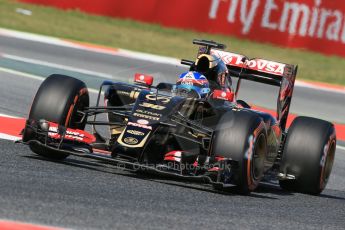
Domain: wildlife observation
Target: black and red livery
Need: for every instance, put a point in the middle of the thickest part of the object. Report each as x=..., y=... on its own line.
x=213, y=140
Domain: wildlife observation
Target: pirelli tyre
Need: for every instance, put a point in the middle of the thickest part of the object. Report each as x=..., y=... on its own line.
x=308, y=155
x=241, y=137
x=57, y=100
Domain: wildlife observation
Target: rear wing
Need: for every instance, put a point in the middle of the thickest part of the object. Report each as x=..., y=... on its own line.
x=259, y=70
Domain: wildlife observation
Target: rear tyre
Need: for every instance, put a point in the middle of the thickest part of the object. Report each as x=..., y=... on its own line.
x=241, y=136
x=57, y=100
x=308, y=155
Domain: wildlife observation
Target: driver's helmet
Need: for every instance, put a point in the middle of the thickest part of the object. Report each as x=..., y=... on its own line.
x=192, y=84
x=215, y=70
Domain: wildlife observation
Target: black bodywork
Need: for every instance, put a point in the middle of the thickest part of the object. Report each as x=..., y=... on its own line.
x=153, y=122
x=182, y=124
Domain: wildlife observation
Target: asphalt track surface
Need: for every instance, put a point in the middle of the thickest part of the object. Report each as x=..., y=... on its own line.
x=82, y=194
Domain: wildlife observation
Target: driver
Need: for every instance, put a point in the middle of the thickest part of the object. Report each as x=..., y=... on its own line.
x=209, y=73
x=192, y=84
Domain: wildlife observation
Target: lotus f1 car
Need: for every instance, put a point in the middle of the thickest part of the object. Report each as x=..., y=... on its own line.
x=217, y=140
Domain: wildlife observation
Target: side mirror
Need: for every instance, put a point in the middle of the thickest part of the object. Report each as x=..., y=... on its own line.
x=223, y=95
x=143, y=79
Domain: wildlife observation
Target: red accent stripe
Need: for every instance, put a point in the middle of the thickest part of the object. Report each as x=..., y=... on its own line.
x=172, y=153
x=169, y=158
x=72, y=134
x=219, y=158
x=101, y=151
x=214, y=169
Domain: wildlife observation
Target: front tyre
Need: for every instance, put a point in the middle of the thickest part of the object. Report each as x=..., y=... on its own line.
x=57, y=100
x=308, y=154
x=241, y=136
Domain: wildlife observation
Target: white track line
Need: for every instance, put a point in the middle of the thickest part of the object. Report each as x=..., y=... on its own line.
x=145, y=57
x=75, y=45
x=303, y=84
x=5, y=115
x=22, y=74
x=31, y=37
x=9, y=137
x=58, y=66
x=34, y=77
x=341, y=147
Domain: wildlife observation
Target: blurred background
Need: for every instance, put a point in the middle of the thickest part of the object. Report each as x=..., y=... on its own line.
x=256, y=28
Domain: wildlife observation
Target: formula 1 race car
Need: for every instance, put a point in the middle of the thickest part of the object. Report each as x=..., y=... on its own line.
x=216, y=139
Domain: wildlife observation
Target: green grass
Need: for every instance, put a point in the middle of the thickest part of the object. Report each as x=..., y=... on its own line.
x=155, y=39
